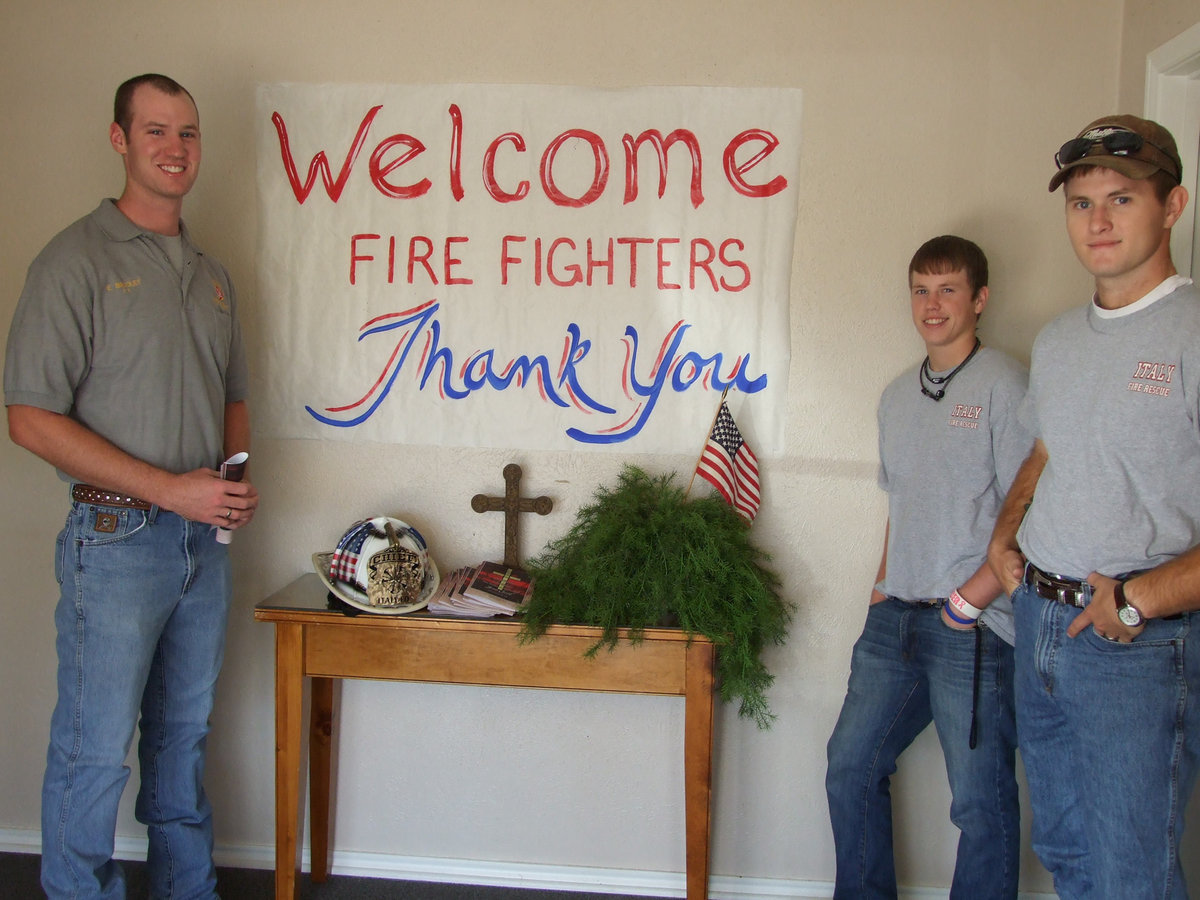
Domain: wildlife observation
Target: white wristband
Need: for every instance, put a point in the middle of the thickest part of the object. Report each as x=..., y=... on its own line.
x=962, y=607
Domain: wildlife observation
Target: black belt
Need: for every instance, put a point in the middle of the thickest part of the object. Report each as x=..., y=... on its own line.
x=85, y=493
x=1055, y=587
x=933, y=603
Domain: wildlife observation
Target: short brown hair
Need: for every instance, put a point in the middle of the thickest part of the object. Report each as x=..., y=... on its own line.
x=1161, y=180
x=950, y=253
x=123, y=102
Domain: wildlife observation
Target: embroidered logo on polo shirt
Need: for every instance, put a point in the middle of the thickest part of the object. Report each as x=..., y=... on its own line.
x=1152, y=378
x=125, y=287
x=219, y=297
x=964, y=416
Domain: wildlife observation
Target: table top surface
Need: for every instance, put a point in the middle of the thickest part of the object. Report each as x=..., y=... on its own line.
x=306, y=601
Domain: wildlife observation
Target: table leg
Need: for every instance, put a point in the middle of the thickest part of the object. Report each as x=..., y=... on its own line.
x=697, y=765
x=289, y=713
x=320, y=742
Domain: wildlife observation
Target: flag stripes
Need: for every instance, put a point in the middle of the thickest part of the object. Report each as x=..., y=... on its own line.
x=729, y=465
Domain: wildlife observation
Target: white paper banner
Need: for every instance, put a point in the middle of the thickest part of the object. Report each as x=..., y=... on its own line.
x=525, y=266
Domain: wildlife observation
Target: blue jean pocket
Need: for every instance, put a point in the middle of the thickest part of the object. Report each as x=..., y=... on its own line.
x=1156, y=635
x=96, y=525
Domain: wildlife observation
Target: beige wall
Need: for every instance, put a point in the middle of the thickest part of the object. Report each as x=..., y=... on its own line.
x=1147, y=25
x=919, y=118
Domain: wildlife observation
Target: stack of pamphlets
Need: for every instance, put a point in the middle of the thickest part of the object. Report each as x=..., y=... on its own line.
x=489, y=589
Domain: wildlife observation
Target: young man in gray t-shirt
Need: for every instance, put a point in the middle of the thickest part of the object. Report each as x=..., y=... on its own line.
x=937, y=641
x=1099, y=535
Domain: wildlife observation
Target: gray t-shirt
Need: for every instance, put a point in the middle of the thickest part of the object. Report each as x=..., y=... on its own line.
x=1116, y=401
x=946, y=467
x=109, y=333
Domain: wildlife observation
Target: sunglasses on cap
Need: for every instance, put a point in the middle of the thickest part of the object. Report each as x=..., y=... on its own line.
x=1117, y=142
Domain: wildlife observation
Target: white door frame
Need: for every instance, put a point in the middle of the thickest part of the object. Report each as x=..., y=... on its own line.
x=1173, y=100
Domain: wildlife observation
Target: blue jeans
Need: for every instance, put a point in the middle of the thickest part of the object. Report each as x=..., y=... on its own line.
x=908, y=669
x=141, y=629
x=1109, y=736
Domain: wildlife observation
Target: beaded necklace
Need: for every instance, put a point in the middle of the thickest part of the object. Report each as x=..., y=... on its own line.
x=940, y=383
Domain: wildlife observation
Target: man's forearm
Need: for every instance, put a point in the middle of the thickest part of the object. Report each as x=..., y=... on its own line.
x=83, y=454
x=237, y=428
x=1173, y=587
x=876, y=596
x=1003, y=552
x=981, y=588
x=199, y=495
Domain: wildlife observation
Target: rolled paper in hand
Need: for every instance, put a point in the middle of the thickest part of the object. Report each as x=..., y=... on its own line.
x=232, y=470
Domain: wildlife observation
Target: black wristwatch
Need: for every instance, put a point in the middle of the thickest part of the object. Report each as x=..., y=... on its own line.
x=1128, y=614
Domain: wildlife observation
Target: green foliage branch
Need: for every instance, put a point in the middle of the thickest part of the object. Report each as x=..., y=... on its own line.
x=644, y=555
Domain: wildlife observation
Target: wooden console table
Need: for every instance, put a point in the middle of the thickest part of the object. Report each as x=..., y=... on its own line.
x=315, y=642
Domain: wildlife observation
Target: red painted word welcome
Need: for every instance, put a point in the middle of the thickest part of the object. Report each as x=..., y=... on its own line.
x=743, y=153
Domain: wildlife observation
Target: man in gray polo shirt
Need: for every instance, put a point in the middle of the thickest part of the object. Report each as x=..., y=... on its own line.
x=125, y=370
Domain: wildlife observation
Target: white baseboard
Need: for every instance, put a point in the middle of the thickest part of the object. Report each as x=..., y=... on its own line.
x=501, y=874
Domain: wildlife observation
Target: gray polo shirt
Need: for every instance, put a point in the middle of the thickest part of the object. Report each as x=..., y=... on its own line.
x=109, y=333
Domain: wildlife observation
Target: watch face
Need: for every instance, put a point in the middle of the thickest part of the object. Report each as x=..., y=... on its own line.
x=1129, y=616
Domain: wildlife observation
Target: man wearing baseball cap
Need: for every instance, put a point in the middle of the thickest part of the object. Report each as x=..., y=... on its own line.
x=1098, y=537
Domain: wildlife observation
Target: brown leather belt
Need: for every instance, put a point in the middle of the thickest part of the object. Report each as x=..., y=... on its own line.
x=1069, y=591
x=1054, y=587
x=85, y=493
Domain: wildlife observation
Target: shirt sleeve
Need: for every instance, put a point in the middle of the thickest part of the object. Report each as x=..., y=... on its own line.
x=49, y=343
x=1011, y=438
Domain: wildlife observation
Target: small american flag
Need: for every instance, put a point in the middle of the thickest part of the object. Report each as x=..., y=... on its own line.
x=730, y=466
x=345, y=556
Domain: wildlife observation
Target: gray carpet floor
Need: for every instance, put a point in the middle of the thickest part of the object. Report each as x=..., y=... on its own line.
x=19, y=881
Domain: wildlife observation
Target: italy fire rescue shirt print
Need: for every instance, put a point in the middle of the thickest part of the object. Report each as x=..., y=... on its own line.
x=514, y=266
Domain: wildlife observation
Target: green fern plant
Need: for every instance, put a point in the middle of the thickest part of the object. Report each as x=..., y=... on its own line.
x=643, y=555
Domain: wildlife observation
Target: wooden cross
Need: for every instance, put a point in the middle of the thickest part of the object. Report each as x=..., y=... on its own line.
x=513, y=504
